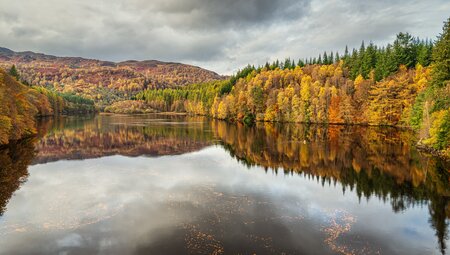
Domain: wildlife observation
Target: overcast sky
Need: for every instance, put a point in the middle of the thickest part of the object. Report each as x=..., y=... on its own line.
x=220, y=35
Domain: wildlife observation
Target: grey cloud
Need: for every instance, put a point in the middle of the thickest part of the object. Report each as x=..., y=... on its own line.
x=24, y=32
x=222, y=35
x=234, y=14
x=8, y=17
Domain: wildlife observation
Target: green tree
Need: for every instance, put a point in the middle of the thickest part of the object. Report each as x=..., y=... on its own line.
x=424, y=51
x=404, y=50
x=325, y=58
x=14, y=73
x=441, y=57
x=368, y=60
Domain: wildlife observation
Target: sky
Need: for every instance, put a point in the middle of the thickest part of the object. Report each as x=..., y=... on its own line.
x=219, y=35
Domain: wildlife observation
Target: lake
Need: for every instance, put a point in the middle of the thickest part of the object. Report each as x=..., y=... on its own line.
x=170, y=184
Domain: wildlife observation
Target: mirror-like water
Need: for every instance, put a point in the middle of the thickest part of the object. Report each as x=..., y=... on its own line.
x=155, y=184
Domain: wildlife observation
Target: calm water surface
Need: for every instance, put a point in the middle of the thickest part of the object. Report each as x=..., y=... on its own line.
x=154, y=184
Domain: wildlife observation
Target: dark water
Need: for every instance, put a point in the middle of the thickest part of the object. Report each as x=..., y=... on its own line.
x=181, y=185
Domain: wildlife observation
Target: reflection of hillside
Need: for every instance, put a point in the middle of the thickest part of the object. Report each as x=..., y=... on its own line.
x=119, y=135
x=14, y=161
x=373, y=161
x=327, y=152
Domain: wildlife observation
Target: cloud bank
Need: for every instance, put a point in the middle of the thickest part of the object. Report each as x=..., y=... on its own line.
x=221, y=35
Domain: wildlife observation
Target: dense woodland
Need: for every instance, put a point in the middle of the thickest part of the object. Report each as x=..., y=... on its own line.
x=101, y=81
x=21, y=104
x=406, y=83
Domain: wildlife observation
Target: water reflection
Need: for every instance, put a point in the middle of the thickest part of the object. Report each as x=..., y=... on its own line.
x=203, y=202
x=104, y=135
x=14, y=159
x=375, y=162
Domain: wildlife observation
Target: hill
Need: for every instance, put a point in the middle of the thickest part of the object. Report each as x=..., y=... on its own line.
x=102, y=81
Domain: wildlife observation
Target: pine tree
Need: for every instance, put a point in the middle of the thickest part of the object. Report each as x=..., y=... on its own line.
x=368, y=60
x=362, y=49
x=13, y=72
x=325, y=58
x=391, y=61
x=424, y=52
x=441, y=57
x=404, y=50
x=354, y=64
x=287, y=63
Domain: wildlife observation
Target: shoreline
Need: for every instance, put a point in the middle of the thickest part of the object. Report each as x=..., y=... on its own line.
x=419, y=146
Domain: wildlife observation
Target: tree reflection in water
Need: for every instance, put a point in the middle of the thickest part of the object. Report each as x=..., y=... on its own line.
x=14, y=159
x=374, y=162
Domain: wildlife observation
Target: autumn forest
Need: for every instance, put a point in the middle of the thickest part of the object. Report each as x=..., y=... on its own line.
x=225, y=127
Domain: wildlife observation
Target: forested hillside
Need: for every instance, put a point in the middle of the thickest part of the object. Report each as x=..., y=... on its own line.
x=102, y=81
x=20, y=104
x=402, y=84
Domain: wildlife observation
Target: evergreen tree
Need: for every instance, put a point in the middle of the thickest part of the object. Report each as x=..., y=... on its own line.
x=368, y=60
x=337, y=58
x=424, y=52
x=287, y=63
x=13, y=72
x=353, y=64
x=391, y=62
x=404, y=50
x=346, y=53
x=362, y=49
x=325, y=58
x=380, y=65
x=441, y=57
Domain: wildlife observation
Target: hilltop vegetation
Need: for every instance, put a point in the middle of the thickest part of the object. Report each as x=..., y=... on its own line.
x=102, y=81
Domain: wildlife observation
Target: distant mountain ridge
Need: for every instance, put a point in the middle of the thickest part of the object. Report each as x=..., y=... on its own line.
x=101, y=81
x=28, y=56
